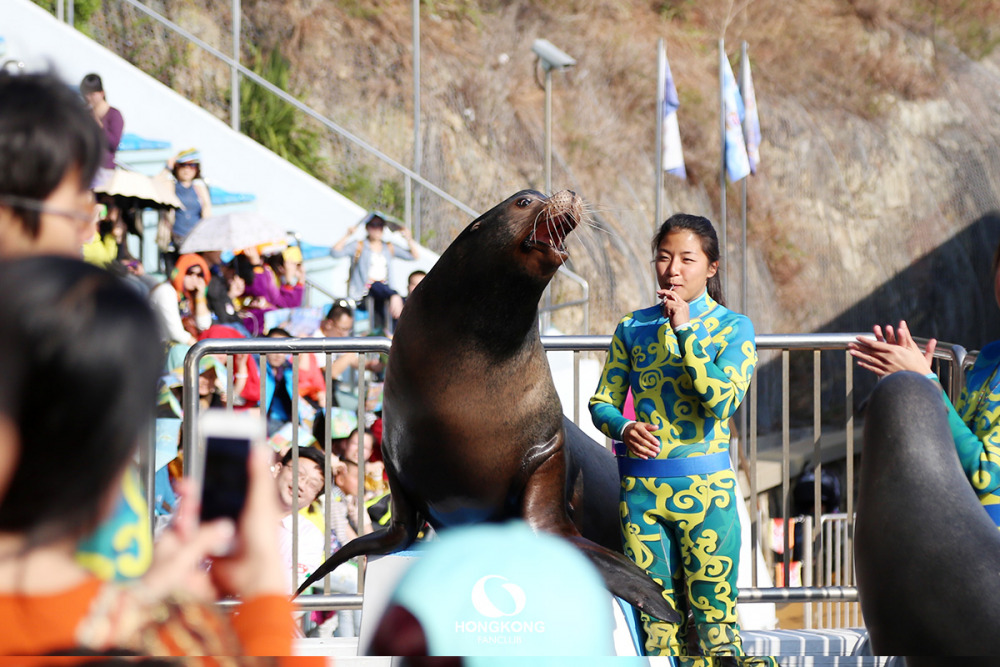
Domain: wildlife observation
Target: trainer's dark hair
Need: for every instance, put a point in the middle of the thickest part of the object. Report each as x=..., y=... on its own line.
x=45, y=131
x=709, y=244
x=80, y=355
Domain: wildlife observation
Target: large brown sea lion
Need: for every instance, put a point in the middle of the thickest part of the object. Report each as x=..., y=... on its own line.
x=474, y=430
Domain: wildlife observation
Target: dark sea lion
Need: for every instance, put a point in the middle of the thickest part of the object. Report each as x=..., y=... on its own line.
x=474, y=430
x=927, y=554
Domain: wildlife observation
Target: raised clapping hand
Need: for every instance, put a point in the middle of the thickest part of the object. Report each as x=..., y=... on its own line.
x=892, y=351
x=675, y=308
x=639, y=438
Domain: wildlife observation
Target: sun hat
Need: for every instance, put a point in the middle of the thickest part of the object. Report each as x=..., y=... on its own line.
x=188, y=156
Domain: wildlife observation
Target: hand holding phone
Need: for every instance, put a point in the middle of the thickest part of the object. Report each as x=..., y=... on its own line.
x=225, y=441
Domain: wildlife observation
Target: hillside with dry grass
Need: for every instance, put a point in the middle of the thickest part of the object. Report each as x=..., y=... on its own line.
x=879, y=119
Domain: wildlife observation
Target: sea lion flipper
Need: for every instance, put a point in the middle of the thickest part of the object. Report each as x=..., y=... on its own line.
x=543, y=510
x=624, y=579
x=401, y=532
x=385, y=541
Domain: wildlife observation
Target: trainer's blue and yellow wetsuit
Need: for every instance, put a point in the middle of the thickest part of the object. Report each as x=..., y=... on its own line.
x=678, y=511
x=975, y=427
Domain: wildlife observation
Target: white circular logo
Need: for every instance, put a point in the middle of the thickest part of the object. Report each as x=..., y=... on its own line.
x=485, y=606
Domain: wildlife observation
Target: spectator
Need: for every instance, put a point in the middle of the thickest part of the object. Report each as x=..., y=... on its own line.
x=246, y=375
x=279, y=390
x=224, y=287
x=181, y=303
x=50, y=150
x=211, y=387
x=80, y=357
x=267, y=291
x=194, y=197
x=109, y=119
x=413, y=280
x=296, y=493
x=444, y=605
x=370, y=265
x=339, y=323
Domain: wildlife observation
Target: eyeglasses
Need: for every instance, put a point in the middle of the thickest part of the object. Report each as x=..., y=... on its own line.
x=41, y=207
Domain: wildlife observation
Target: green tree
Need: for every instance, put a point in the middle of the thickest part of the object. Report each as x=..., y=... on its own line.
x=272, y=121
x=82, y=10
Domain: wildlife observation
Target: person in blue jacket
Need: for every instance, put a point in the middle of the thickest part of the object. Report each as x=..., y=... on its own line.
x=687, y=362
x=975, y=419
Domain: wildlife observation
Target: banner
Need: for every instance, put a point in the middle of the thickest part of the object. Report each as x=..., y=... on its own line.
x=751, y=125
x=737, y=163
x=673, y=152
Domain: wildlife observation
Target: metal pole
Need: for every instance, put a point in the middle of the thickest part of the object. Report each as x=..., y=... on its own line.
x=418, y=144
x=548, y=131
x=70, y=9
x=660, y=92
x=234, y=73
x=61, y=10
x=722, y=171
x=743, y=249
x=546, y=318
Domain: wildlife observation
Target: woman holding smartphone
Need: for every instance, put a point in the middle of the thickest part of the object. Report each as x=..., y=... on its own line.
x=80, y=359
x=687, y=362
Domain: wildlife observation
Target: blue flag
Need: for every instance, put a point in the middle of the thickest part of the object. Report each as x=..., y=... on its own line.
x=673, y=152
x=751, y=126
x=737, y=163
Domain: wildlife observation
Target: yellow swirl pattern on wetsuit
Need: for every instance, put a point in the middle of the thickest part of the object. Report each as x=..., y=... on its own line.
x=975, y=426
x=688, y=384
x=683, y=531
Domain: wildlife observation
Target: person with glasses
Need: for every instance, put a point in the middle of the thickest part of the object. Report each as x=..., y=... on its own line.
x=297, y=491
x=50, y=150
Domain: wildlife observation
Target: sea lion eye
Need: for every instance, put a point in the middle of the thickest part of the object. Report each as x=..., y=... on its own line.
x=523, y=201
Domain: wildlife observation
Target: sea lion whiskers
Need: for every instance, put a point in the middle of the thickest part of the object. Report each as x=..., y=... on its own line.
x=560, y=215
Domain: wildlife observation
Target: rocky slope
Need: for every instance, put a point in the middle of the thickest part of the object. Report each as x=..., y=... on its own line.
x=876, y=199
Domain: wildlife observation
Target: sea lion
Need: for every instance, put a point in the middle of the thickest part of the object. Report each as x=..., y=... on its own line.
x=474, y=430
x=927, y=554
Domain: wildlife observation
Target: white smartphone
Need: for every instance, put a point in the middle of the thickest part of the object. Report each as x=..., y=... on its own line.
x=225, y=441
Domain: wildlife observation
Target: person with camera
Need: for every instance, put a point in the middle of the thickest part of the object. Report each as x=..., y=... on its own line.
x=81, y=358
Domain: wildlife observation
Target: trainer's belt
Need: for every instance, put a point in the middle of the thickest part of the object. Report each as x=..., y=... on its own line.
x=693, y=465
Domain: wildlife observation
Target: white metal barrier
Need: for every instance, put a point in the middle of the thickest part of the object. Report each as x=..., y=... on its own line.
x=828, y=586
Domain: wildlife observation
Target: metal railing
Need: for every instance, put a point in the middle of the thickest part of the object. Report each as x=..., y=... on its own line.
x=820, y=544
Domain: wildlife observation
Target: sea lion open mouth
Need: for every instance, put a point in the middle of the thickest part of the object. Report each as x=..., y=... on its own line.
x=554, y=223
